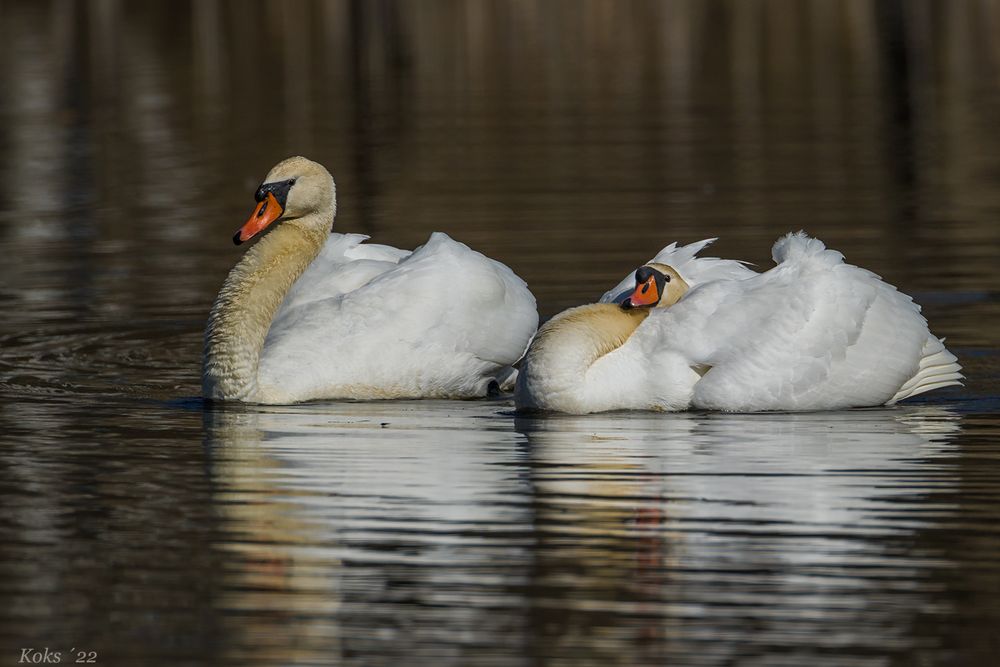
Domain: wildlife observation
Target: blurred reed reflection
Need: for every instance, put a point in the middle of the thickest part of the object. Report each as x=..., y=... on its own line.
x=549, y=134
x=422, y=530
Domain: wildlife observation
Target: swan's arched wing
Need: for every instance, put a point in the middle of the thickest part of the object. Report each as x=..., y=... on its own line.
x=452, y=296
x=694, y=270
x=444, y=314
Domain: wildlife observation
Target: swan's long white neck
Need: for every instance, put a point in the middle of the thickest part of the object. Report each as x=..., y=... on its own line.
x=245, y=307
x=554, y=371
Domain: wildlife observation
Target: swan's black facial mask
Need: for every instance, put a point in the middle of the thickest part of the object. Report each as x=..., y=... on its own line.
x=279, y=189
x=272, y=198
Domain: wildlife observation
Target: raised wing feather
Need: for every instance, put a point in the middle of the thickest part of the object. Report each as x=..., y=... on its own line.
x=694, y=270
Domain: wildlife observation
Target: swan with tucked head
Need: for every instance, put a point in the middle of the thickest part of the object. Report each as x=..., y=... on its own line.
x=812, y=333
x=586, y=359
x=307, y=314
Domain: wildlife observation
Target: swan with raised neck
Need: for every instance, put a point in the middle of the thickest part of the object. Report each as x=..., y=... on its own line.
x=302, y=195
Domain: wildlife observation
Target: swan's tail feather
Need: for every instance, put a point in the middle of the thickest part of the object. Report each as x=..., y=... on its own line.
x=938, y=368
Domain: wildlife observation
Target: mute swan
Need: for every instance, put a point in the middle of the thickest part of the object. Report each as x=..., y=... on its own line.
x=307, y=314
x=812, y=333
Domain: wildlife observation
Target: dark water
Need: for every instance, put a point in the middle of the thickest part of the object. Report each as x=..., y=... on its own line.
x=570, y=140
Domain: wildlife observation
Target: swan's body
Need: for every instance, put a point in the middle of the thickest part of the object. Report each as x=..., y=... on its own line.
x=813, y=333
x=307, y=314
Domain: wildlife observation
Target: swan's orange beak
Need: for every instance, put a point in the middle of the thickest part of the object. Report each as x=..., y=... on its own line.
x=645, y=294
x=266, y=212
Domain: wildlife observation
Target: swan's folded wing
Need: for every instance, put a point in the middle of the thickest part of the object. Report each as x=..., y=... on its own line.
x=454, y=297
x=445, y=313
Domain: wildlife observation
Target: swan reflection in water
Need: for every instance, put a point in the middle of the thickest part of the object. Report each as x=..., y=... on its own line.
x=416, y=528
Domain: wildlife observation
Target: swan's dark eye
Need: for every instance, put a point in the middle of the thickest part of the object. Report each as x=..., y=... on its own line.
x=666, y=278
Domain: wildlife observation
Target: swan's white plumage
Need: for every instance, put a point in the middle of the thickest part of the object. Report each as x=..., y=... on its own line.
x=369, y=321
x=813, y=333
x=344, y=264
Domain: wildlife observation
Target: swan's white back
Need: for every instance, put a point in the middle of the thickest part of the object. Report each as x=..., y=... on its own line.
x=812, y=333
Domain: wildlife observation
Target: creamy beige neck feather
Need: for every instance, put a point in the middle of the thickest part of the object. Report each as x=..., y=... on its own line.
x=246, y=305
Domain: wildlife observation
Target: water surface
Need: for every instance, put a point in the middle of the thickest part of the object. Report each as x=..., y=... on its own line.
x=571, y=141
